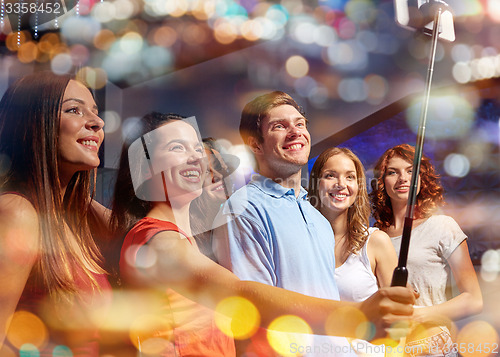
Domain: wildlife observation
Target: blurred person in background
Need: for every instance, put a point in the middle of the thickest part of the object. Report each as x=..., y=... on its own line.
x=217, y=188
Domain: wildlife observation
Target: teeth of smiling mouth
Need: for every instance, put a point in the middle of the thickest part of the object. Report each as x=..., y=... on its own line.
x=89, y=143
x=192, y=173
x=295, y=146
x=339, y=195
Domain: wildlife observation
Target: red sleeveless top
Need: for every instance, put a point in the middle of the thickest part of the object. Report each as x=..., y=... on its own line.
x=191, y=328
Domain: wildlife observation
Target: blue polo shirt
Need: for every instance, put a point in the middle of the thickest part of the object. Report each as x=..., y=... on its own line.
x=264, y=233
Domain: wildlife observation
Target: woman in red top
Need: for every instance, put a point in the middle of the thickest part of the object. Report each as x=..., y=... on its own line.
x=50, y=266
x=161, y=173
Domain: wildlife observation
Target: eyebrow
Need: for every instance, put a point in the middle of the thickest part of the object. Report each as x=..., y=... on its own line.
x=279, y=120
x=183, y=142
x=395, y=169
x=79, y=101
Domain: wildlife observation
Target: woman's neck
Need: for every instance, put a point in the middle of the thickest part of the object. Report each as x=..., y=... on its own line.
x=178, y=215
x=338, y=221
x=399, y=213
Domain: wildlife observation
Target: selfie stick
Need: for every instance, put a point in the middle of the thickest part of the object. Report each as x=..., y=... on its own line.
x=400, y=275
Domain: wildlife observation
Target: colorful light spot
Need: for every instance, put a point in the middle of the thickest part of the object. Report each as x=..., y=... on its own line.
x=297, y=66
x=352, y=320
x=26, y=328
x=477, y=338
x=62, y=351
x=151, y=334
x=237, y=317
x=287, y=331
x=28, y=350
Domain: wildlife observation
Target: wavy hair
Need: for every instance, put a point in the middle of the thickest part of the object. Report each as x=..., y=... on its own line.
x=358, y=214
x=428, y=199
x=29, y=135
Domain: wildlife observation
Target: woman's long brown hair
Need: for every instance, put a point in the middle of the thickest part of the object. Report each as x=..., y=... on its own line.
x=29, y=128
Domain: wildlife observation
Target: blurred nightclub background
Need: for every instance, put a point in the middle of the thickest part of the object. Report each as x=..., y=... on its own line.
x=359, y=76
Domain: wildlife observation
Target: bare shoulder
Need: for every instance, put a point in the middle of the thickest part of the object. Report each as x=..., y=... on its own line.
x=18, y=218
x=379, y=240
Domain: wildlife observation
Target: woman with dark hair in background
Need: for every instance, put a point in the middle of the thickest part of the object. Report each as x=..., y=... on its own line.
x=161, y=173
x=50, y=266
x=437, y=247
x=217, y=187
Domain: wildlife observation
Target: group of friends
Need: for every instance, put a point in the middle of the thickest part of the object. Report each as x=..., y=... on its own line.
x=176, y=227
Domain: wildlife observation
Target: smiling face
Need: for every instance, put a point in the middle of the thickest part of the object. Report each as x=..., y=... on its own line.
x=178, y=154
x=80, y=130
x=338, y=183
x=213, y=185
x=286, y=145
x=397, y=179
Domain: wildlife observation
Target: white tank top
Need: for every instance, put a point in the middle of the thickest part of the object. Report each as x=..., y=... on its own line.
x=355, y=279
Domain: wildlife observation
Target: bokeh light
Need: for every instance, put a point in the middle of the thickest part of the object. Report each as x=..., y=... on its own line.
x=157, y=59
x=131, y=43
x=286, y=331
x=104, y=11
x=447, y=117
x=27, y=328
x=297, y=66
x=461, y=72
x=112, y=119
x=490, y=265
x=95, y=78
x=456, y=165
x=79, y=54
x=79, y=29
x=104, y=39
x=493, y=10
x=164, y=36
x=145, y=331
x=353, y=90
x=237, y=317
x=462, y=53
x=29, y=350
x=477, y=338
x=62, y=351
x=225, y=32
x=354, y=323
x=247, y=159
x=377, y=88
x=27, y=52
x=146, y=257
x=61, y=63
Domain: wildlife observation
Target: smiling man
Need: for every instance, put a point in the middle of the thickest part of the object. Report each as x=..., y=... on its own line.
x=268, y=231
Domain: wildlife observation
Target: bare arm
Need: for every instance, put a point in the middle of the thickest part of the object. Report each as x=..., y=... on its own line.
x=382, y=257
x=19, y=239
x=188, y=271
x=470, y=300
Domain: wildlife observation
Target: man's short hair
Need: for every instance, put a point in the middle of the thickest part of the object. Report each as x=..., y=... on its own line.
x=256, y=110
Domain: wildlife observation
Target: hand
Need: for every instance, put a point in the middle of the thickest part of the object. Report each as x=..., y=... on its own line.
x=389, y=305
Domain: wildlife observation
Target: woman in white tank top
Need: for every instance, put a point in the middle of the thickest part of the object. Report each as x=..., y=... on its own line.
x=364, y=257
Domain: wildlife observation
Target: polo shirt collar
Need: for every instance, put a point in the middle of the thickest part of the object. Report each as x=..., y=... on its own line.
x=274, y=189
